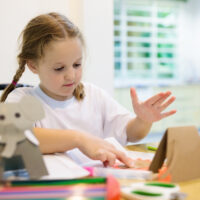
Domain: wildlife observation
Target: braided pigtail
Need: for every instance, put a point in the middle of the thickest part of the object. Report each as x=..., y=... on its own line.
x=79, y=92
x=16, y=78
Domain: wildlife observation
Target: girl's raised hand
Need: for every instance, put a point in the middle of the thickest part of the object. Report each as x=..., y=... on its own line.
x=152, y=109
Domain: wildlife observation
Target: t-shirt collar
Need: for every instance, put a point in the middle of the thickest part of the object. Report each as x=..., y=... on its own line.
x=52, y=102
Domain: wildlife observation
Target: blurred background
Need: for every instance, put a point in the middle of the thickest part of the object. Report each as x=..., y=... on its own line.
x=152, y=45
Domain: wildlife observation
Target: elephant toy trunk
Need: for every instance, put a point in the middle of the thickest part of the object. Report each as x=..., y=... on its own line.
x=10, y=137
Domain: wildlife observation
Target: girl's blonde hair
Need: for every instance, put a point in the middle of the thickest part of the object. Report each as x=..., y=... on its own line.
x=38, y=33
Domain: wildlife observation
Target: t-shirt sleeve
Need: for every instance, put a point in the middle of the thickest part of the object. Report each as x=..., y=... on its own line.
x=116, y=118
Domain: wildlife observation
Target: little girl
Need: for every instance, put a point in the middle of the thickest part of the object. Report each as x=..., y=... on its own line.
x=77, y=114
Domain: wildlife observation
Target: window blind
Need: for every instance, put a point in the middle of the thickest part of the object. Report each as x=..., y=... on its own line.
x=146, y=42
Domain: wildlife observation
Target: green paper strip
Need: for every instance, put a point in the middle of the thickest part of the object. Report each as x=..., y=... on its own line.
x=145, y=193
x=159, y=184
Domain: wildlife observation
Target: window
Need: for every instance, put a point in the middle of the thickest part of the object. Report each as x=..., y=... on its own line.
x=146, y=42
x=157, y=49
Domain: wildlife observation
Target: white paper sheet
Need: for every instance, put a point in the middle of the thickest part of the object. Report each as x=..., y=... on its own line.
x=60, y=166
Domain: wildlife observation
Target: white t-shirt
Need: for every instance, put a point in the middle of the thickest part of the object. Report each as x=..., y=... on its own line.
x=98, y=113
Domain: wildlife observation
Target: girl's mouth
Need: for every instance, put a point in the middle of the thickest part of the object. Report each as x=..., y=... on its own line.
x=69, y=85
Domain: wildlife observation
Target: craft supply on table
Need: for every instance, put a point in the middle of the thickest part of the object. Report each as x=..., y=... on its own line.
x=153, y=191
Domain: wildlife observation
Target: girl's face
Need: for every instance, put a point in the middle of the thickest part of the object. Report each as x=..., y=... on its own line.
x=60, y=69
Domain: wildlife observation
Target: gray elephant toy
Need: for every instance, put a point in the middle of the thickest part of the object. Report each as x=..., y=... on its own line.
x=19, y=147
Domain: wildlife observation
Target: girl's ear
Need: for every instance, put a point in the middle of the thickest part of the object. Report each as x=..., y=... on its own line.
x=32, y=66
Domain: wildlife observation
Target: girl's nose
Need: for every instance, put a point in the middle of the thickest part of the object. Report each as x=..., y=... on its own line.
x=70, y=74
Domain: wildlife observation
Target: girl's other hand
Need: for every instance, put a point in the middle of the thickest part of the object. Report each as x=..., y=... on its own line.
x=152, y=109
x=99, y=149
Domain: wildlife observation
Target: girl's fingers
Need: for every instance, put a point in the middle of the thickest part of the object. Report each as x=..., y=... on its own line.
x=166, y=104
x=101, y=155
x=107, y=157
x=162, y=99
x=121, y=156
x=166, y=114
x=152, y=100
x=111, y=158
x=134, y=96
x=127, y=161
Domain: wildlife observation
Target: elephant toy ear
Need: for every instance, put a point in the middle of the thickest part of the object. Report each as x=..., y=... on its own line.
x=31, y=108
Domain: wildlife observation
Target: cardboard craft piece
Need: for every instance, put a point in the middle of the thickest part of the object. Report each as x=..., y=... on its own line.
x=16, y=119
x=180, y=146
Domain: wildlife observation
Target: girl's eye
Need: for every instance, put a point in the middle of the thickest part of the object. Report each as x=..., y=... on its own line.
x=76, y=65
x=59, y=69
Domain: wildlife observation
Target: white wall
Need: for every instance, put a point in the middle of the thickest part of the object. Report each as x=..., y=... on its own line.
x=189, y=41
x=98, y=31
x=14, y=15
x=93, y=17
